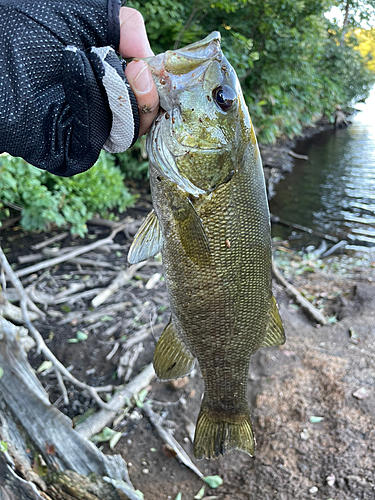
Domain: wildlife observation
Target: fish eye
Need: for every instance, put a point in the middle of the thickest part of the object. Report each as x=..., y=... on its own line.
x=224, y=97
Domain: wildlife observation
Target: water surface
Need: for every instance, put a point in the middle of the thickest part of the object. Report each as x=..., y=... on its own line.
x=334, y=192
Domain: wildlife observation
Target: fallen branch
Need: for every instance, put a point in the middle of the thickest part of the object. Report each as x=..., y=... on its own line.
x=304, y=303
x=50, y=241
x=9, y=223
x=283, y=222
x=296, y=155
x=122, y=279
x=70, y=255
x=13, y=313
x=96, y=423
x=170, y=440
x=18, y=285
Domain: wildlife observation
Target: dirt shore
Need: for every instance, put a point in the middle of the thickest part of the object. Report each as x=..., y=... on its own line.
x=312, y=400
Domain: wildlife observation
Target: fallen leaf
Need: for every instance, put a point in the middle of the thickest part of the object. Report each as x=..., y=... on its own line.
x=50, y=449
x=168, y=451
x=213, y=481
x=46, y=365
x=316, y=420
x=200, y=494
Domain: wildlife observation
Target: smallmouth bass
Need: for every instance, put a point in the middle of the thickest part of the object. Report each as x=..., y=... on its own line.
x=211, y=223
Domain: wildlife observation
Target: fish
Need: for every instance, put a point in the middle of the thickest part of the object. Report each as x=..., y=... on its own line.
x=211, y=222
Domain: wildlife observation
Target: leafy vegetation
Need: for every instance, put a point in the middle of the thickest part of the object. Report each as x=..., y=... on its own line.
x=294, y=65
x=45, y=199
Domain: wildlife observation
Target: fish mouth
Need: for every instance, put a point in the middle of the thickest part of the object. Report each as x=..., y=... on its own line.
x=183, y=61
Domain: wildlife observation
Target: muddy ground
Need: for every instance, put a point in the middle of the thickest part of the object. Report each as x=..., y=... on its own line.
x=317, y=373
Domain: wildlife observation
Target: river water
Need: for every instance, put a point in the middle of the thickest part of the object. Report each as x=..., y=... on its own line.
x=333, y=192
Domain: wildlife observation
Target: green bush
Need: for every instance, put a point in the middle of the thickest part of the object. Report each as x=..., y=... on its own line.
x=45, y=199
x=133, y=162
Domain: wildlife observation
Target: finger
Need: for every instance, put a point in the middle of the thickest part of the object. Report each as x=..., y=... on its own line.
x=143, y=86
x=133, y=36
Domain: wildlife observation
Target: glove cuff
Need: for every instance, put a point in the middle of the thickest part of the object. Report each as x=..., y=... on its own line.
x=121, y=100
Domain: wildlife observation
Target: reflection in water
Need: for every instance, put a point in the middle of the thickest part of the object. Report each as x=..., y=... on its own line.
x=335, y=192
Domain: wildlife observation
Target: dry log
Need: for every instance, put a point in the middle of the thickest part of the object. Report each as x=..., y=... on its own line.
x=275, y=219
x=48, y=430
x=304, y=303
x=97, y=422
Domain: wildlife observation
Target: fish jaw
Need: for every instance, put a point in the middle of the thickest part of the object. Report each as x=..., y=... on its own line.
x=174, y=70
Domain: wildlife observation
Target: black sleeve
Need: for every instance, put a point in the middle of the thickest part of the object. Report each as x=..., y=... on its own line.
x=54, y=109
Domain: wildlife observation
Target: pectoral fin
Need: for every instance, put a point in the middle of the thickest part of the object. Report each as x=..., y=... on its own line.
x=148, y=241
x=172, y=359
x=192, y=233
x=275, y=331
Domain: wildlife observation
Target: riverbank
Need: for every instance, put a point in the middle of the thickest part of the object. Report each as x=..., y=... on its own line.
x=311, y=400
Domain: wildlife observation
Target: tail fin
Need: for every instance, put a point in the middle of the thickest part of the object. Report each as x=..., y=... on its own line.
x=216, y=434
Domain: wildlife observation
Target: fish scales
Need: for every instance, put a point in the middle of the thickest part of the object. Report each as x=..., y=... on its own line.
x=210, y=208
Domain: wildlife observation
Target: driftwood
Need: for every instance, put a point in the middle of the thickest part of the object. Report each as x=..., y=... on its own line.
x=304, y=303
x=283, y=222
x=49, y=432
x=298, y=156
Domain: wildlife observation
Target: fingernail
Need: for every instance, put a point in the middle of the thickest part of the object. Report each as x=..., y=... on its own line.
x=142, y=83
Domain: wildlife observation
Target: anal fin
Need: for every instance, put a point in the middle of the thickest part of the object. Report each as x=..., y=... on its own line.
x=148, y=241
x=275, y=331
x=172, y=359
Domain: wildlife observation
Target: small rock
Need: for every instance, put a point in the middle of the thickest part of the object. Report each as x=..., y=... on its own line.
x=186, y=440
x=305, y=434
x=313, y=490
x=331, y=480
x=361, y=393
x=130, y=464
x=145, y=471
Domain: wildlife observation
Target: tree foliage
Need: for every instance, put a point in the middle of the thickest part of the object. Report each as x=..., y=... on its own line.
x=366, y=46
x=286, y=53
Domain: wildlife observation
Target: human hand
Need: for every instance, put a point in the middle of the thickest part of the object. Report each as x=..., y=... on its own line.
x=134, y=43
